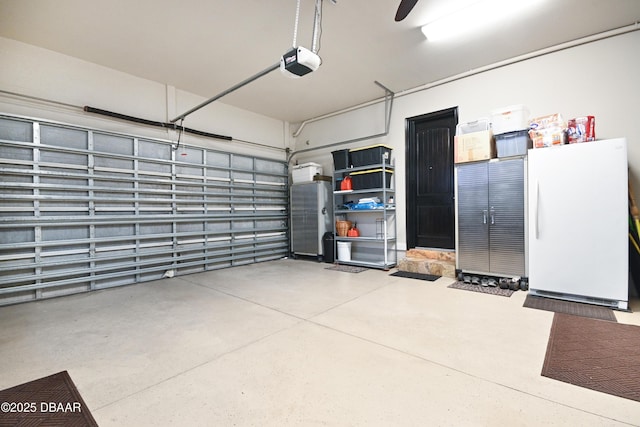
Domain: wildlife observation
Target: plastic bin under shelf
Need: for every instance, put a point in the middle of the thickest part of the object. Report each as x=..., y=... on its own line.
x=371, y=179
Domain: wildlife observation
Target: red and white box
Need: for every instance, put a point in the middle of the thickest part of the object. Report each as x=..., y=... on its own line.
x=581, y=129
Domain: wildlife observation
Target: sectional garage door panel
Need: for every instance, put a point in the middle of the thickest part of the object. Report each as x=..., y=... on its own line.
x=83, y=209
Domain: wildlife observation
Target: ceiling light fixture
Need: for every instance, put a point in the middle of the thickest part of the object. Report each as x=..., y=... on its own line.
x=474, y=17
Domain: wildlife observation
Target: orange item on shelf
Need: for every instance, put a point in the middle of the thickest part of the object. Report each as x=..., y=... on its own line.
x=346, y=184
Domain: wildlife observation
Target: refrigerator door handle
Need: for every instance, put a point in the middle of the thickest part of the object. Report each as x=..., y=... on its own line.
x=537, y=210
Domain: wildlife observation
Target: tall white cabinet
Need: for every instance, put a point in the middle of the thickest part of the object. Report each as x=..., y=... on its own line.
x=578, y=224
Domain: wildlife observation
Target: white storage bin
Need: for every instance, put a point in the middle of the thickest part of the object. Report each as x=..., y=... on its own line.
x=305, y=172
x=510, y=119
x=473, y=126
x=344, y=251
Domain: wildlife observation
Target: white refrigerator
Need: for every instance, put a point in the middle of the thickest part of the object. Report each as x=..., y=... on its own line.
x=578, y=222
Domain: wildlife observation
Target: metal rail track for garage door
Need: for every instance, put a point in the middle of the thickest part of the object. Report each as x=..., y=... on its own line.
x=83, y=209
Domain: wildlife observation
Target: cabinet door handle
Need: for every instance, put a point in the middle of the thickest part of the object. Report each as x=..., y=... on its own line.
x=492, y=214
x=537, y=210
x=484, y=216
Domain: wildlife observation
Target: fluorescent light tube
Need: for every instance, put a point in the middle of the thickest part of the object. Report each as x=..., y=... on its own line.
x=474, y=17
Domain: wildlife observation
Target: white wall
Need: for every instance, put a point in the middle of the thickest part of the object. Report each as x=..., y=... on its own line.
x=41, y=73
x=599, y=78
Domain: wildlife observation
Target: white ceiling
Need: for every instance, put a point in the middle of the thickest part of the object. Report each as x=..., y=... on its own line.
x=208, y=46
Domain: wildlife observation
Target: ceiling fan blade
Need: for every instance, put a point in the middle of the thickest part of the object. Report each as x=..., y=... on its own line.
x=404, y=9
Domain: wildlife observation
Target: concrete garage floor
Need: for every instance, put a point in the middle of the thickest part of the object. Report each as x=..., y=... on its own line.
x=292, y=343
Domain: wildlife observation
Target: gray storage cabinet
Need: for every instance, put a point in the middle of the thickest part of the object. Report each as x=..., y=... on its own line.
x=490, y=217
x=311, y=217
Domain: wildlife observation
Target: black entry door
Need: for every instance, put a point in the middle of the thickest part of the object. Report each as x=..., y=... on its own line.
x=429, y=180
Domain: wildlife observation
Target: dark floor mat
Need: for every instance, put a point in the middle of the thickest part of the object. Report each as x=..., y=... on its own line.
x=595, y=354
x=569, y=307
x=48, y=401
x=420, y=276
x=482, y=289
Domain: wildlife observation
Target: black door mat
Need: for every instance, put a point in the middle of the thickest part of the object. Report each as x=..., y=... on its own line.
x=570, y=307
x=419, y=276
x=347, y=268
x=595, y=354
x=48, y=401
x=491, y=290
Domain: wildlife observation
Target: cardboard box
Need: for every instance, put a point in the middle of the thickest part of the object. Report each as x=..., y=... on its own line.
x=474, y=146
